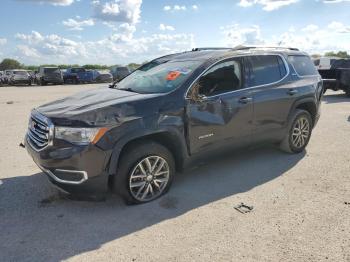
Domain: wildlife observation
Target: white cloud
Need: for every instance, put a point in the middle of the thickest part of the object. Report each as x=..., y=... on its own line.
x=52, y=2
x=73, y=24
x=32, y=38
x=177, y=8
x=127, y=11
x=268, y=5
x=310, y=28
x=121, y=47
x=335, y=1
x=28, y=51
x=235, y=35
x=309, y=38
x=339, y=27
x=164, y=27
x=3, y=41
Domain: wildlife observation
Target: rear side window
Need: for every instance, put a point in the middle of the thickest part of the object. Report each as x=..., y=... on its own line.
x=303, y=65
x=265, y=69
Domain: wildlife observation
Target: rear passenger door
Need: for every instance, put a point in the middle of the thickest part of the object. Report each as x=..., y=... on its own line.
x=273, y=95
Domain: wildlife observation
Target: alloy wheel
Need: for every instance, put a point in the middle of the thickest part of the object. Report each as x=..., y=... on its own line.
x=149, y=178
x=300, y=132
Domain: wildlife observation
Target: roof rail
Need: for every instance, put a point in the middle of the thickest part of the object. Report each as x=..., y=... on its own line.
x=210, y=48
x=243, y=47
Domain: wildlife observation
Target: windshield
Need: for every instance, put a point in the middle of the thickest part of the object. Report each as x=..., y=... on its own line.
x=22, y=73
x=77, y=70
x=52, y=70
x=158, y=78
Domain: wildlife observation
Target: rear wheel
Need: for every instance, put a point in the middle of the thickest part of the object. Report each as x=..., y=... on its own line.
x=299, y=133
x=42, y=82
x=145, y=173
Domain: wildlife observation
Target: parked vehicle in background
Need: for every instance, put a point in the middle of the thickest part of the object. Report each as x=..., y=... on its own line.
x=119, y=72
x=337, y=77
x=7, y=75
x=325, y=62
x=135, y=134
x=1, y=77
x=32, y=76
x=102, y=76
x=76, y=75
x=19, y=76
x=48, y=75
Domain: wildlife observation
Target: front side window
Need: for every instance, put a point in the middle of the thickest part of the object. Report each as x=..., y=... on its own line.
x=265, y=69
x=303, y=65
x=221, y=78
x=158, y=77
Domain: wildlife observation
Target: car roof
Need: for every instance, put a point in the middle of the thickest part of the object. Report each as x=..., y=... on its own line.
x=221, y=53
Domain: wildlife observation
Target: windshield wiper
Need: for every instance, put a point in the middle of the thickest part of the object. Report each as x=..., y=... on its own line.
x=113, y=85
x=128, y=89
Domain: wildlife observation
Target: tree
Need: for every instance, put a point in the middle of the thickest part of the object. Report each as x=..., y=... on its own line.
x=8, y=63
x=341, y=54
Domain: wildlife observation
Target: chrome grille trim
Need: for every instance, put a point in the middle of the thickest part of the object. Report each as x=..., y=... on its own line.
x=40, y=131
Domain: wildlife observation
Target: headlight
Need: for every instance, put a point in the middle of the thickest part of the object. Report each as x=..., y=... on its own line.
x=80, y=135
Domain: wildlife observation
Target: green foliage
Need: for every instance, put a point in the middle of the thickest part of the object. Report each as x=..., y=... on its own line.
x=8, y=63
x=341, y=54
x=133, y=66
x=98, y=67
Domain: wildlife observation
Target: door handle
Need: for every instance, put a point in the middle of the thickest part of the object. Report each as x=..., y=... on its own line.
x=292, y=92
x=245, y=100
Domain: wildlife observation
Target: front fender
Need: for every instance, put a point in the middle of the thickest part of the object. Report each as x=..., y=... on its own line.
x=176, y=136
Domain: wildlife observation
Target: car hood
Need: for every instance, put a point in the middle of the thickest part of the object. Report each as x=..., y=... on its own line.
x=97, y=107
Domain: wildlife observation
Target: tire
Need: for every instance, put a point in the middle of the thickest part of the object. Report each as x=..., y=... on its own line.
x=296, y=140
x=131, y=182
x=42, y=82
x=29, y=83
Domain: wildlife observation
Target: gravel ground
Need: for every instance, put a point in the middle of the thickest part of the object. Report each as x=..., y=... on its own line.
x=301, y=202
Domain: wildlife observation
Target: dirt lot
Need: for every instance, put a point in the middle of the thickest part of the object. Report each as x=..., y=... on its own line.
x=301, y=202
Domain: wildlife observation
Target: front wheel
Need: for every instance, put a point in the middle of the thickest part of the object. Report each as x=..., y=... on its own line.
x=299, y=133
x=145, y=173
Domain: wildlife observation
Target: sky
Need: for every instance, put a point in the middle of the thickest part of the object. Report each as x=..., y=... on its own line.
x=124, y=31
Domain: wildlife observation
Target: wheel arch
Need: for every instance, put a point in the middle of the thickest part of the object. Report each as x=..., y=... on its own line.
x=173, y=140
x=307, y=104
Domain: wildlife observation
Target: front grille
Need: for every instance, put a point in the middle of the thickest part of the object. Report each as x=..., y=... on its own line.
x=38, y=131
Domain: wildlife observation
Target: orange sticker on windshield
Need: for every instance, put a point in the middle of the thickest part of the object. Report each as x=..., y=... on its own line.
x=173, y=75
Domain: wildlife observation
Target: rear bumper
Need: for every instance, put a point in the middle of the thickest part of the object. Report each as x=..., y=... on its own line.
x=53, y=80
x=78, y=170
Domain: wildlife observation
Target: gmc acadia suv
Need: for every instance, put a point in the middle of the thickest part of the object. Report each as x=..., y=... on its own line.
x=135, y=134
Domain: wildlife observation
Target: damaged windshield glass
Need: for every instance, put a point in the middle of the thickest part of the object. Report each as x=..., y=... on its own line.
x=158, y=78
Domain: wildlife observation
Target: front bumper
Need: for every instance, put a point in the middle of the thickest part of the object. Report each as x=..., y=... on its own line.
x=78, y=170
x=20, y=81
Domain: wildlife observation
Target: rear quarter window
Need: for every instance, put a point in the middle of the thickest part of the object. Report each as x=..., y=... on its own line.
x=303, y=65
x=265, y=69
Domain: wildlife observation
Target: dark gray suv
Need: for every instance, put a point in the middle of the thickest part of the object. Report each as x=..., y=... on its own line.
x=133, y=135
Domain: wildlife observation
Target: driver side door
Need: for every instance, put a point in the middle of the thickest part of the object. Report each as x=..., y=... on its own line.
x=219, y=108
